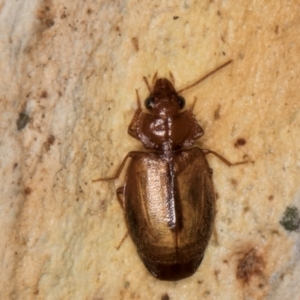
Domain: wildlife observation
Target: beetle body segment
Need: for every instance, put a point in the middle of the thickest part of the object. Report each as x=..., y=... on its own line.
x=169, y=208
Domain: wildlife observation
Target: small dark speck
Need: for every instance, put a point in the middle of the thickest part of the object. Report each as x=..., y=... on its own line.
x=233, y=182
x=246, y=209
x=224, y=53
x=271, y=197
x=165, y=297
x=108, y=108
x=50, y=22
x=22, y=120
x=290, y=220
x=126, y=284
x=27, y=191
x=217, y=113
x=15, y=165
x=135, y=42
x=240, y=142
x=44, y=94
x=276, y=29
x=89, y=11
x=175, y=17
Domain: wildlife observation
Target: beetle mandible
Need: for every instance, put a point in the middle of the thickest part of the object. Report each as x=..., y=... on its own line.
x=168, y=196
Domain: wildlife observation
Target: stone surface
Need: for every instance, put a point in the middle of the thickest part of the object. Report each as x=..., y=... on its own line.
x=69, y=70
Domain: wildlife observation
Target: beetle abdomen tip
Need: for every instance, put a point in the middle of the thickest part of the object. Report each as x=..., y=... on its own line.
x=174, y=271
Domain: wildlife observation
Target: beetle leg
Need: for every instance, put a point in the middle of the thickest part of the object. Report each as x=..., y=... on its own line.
x=215, y=234
x=130, y=154
x=120, y=191
x=122, y=241
x=132, y=126
x=193, y=105
x=223, y=159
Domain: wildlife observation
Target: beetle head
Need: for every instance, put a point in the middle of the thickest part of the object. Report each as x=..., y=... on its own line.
x=163, y=99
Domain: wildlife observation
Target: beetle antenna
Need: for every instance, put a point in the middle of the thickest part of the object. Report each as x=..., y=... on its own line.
x=172, y=77
x=204, y=77
x=138, y=99
x=193, y=105
x=148, y=85
x=154, y=78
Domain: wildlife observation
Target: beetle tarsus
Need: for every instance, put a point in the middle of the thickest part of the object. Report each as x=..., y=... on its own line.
x=224, y=160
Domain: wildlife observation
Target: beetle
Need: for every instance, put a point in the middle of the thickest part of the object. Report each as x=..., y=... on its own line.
x=168, y=196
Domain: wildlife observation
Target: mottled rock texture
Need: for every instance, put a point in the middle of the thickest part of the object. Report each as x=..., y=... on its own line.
x=68, y=75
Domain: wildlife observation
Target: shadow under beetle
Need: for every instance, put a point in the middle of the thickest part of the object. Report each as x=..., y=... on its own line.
x=168, y=196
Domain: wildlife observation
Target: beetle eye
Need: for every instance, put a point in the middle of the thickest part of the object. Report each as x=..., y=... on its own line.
x=181, y=102
x=149, y=102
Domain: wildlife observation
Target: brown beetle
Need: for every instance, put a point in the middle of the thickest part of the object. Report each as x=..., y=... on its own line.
x=168, y=196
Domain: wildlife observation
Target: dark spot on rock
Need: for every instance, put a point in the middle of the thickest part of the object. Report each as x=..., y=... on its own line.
x=290, y=220
x=49, y=22
x=50, y=141
x=135, y=43
x=233, y=182
x=44, y=94
x=217, y=113
x=246, y=209
x=206, y=293
x=175, y=17
x=165, y=297
x=240, y=142
x=22, y=120
x=27, y=191
x=251, y=264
